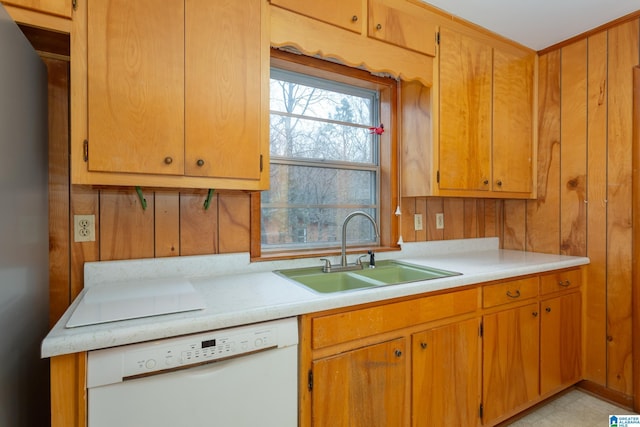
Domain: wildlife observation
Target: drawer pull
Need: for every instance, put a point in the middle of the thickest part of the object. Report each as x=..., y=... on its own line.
x=564, y=284
x=379, y=27
x=398, y=353
x=548, y=309
x=423, y=345
x=513, y=295
x=534, y=314
x=354, y=18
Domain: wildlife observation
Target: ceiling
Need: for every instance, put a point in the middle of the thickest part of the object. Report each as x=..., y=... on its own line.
x=541, y=23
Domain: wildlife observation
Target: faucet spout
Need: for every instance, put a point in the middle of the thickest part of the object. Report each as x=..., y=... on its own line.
x=343, y=260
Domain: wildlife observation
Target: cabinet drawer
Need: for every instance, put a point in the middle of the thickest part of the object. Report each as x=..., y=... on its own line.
x=342, y=327
x=560, y=281
x=512, y=291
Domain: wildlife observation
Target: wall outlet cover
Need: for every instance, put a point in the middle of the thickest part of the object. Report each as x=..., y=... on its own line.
x=84, y=228
x=417, y=222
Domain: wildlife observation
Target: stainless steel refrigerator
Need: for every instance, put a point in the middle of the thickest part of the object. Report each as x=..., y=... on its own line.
x=24, y=234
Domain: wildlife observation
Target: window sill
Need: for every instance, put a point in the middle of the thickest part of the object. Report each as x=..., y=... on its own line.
x=282, y=255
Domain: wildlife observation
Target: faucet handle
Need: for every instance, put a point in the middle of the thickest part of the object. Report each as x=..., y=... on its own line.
x=359, y=260
x=327, y=265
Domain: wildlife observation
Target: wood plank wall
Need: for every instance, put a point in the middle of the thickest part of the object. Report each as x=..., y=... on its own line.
x=583, y=205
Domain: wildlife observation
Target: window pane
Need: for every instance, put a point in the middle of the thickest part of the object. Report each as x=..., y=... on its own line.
x=289, y=97
x=308, y=204
x=310, y=139
x=305, y=227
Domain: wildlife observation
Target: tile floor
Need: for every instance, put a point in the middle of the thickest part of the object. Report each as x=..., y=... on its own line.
x=573, y=409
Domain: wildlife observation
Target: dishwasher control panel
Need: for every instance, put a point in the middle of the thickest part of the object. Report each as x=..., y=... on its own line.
x=197, y=349
x=135, y=360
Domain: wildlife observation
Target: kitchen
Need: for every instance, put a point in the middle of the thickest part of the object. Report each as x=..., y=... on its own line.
x=554, y=223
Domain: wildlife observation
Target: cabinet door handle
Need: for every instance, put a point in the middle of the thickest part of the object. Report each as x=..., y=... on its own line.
x=499, y=182
x=485, y=182
x=379, y=27
x=564, y=284
x=398, y=353
x=168, y=160
x=513, y=295
x=423, y=345
x=200, y=162
x=534, y=314
x=354, y=18
x=548, y=309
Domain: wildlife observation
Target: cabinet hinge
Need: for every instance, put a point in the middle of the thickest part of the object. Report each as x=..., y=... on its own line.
x=438, y=177
x=481, y=331
x=310, y=380
x=481, y=411
x=438, y=37
x=261, y=162
x=85, y=149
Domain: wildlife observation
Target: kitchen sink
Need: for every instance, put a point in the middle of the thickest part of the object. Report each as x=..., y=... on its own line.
x=385, y=273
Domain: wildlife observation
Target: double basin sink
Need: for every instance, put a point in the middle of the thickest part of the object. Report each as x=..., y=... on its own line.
x=385, y=273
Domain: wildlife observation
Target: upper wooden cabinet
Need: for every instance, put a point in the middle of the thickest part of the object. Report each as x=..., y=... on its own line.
x=465, y=112
x=402, y=24
x=513, y=112
x=394, y=37
x=345, y=14
x=472, y=134
x=52, y=7
x=136, y=87
x=486, y=118
x=177, y=97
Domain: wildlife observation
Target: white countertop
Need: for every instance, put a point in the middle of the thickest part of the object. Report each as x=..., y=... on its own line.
x=238, y=292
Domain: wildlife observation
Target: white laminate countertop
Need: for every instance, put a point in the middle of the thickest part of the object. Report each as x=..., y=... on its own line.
x=238, y=292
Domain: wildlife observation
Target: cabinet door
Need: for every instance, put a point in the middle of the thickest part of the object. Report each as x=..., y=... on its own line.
x=345, y=14
x=402, y=24
x=510, y=362
x=226, y=101
x=361, y=388
x=465, y=112
x=446, y=375
x=512, y=121
x=560, y=342
x=136, y=86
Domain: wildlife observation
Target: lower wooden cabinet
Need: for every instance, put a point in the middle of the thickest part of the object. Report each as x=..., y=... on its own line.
x=446, y=375
x=361, y=388
x=560, y=338
x=510, y=361
x=471, y=357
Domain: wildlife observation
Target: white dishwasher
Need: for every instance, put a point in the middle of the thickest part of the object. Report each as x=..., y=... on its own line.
x=237, y=377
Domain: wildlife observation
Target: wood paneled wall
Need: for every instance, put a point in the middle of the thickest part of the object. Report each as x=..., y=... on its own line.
x=583, y=205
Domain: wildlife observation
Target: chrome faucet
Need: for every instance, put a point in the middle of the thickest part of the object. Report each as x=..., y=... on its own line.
x=343, y=257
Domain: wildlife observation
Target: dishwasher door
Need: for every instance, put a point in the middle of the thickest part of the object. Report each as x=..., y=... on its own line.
x=255, y=389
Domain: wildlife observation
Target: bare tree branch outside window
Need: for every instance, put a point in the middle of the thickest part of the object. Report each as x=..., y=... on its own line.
x=324, y=162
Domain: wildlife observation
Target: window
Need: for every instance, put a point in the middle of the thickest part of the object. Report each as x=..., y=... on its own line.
x=325, y=160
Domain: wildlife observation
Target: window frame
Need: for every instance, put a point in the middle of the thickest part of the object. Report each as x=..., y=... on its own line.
x=388, y=89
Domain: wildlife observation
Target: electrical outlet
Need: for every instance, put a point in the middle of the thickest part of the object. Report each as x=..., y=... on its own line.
x=84, y=228
x=439, y=221
x=417, y=222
